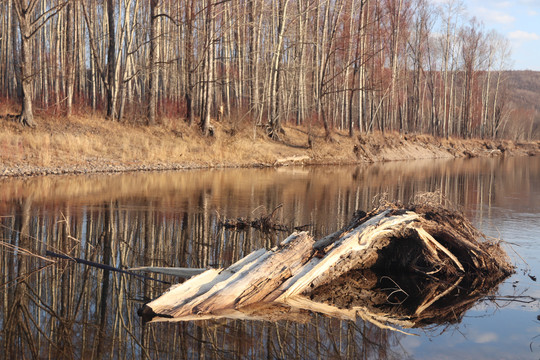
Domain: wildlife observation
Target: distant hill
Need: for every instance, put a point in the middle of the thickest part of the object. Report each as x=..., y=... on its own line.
x=524, y=96
x=524, y=88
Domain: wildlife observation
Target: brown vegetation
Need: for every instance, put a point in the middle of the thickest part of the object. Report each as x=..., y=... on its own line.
x=87, y=144
x=90, y=144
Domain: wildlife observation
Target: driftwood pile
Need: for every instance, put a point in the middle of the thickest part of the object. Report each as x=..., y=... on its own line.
x=355, y=272
x=264, y=223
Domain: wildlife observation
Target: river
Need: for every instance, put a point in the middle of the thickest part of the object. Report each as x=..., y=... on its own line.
x=54, y=308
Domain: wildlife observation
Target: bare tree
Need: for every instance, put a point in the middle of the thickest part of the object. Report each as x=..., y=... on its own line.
x=154, y=51
x=351, y=64
x=208, y=68
x=29, y=25
x=111, y=101
x=274, y=124
x=70, y=55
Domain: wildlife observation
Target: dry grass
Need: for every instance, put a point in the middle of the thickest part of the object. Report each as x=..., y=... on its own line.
x=92, y=142
x=57, y=141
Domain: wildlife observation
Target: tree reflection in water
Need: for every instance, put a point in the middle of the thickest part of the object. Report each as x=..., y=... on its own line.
x=54, y=308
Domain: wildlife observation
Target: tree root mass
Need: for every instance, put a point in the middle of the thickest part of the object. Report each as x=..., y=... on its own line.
x=405, y=265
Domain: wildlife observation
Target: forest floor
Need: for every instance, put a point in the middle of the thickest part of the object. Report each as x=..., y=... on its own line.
x=87, y=144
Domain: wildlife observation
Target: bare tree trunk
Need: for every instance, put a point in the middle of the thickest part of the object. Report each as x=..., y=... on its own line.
x=111, y=101
x=189, y=60
x=27, y=115
x=209, y=69
x=24, y=15
x=495, y=124
x=57, y=74
x=154, y=51
x=70, y=56
x=274, y=122
x=251, y=56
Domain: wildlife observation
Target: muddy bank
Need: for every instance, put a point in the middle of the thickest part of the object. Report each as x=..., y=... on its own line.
x=84, y=146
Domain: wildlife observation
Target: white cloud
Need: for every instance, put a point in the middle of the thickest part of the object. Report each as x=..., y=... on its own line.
x=504, y=4
x=483, y=338
x=523, y=36
x=496, y=16
x=532, y=13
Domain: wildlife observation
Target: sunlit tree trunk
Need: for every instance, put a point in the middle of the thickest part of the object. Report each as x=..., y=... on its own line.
x=154, y=51
x=189, y=66
x=24, y=15
x=209, y=69
x=274, y=120
x=70, y=56
x=110, y=86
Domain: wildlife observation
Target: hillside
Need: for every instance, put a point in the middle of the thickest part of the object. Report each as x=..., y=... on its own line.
x=523, y=91
x=524, y=88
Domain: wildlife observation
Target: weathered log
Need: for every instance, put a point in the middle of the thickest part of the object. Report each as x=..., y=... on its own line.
x=296, y=276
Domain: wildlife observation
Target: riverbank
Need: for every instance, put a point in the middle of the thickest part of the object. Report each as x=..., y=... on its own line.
x=86, y=144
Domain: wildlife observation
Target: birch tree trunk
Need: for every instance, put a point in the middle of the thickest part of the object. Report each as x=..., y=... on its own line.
x=154, y=51
x=209, y=69
x=189, y=67
x=70, y=57
x=111, y=101
x=274, y=121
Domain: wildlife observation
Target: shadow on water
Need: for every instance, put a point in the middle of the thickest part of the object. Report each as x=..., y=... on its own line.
x=405, y=299
x=56, y=308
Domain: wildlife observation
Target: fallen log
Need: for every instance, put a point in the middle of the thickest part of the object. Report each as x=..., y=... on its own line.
x=297, y=275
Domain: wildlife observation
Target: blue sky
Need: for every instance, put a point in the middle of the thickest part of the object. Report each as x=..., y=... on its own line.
x=518, y=21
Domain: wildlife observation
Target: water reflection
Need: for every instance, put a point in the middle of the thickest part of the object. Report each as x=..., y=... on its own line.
x=66, y=310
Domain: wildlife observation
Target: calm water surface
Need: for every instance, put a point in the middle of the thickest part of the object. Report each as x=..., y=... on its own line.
x=69, y=310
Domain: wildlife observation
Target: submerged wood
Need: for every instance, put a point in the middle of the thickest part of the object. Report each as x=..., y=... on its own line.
x=264, y=223
x=185, y=273
x=295, y=276
x=101, y=266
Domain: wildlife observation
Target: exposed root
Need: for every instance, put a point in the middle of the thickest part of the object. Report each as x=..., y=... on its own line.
x=406, y=265
x=26, y=120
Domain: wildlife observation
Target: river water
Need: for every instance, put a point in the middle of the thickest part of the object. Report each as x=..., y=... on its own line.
x=63, y=309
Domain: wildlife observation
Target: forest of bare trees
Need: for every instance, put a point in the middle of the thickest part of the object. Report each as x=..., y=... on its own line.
x=359, y=65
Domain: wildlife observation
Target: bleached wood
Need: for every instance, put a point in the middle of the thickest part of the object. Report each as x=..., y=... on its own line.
x=258, y=279
x=247, y=277
x=274, y=284
x=357, y=240
x=274, y=275
x=178, y=295
x=424, y=235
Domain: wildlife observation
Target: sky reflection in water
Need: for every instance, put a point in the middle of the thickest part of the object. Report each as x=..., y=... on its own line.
x=169, y=219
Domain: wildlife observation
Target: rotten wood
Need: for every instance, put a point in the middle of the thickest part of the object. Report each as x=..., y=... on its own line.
x=287, y=279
